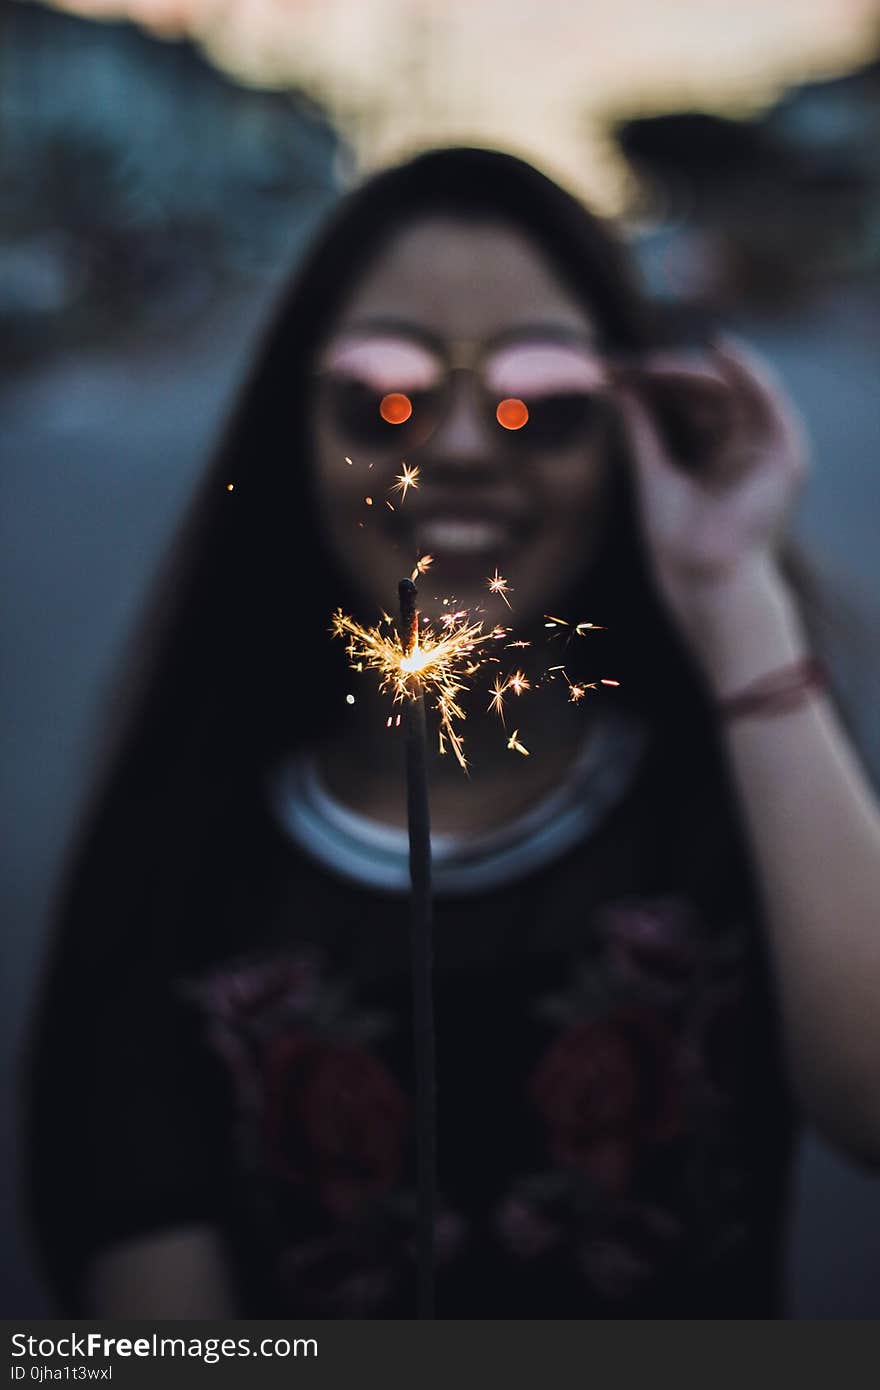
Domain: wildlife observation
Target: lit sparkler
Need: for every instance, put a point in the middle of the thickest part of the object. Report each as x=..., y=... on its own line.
x=442, y=662
x=411, y=668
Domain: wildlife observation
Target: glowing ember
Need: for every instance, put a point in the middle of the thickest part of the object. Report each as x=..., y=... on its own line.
x=576, y=629
x=515, y=746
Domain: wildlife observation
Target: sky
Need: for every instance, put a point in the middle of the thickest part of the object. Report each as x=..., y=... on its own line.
x=539, y=77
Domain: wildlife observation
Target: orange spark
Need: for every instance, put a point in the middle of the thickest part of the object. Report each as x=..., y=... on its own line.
x=405, y=480
x=499, y=585
x=518, y=682
x=496, y=704
x=515, y=746
x=423, y=564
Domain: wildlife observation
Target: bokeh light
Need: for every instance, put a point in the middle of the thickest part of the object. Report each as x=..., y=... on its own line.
x=512, y=413
x=395, y=408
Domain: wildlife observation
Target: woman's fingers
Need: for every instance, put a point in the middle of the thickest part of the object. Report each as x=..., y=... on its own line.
x=721, y=417
x=697, y=416
x=765, y=399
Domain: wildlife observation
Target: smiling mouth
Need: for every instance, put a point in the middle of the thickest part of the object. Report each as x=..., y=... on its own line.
x=463, y=536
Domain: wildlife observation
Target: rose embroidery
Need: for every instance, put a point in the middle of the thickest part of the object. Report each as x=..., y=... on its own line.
x=335, y=1118
x=605, y=1089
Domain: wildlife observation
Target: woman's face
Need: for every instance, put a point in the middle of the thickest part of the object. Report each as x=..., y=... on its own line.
x=521, y=500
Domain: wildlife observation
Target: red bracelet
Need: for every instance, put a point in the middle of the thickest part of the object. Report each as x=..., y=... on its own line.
x=776, y=693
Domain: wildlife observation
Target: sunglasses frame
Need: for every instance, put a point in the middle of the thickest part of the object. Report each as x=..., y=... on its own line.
x=468, y=356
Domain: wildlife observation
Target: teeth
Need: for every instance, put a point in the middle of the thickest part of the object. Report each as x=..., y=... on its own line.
x=460, y=535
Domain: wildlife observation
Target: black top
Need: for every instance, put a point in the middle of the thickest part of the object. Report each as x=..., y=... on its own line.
x=614, y=1130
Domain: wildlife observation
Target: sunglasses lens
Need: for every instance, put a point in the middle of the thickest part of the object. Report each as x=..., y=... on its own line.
x=548, y=393
x=384, y=391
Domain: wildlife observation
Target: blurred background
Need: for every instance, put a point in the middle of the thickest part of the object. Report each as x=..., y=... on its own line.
x=163, y=162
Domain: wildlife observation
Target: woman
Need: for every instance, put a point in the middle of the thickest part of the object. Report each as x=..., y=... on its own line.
x=652, y=932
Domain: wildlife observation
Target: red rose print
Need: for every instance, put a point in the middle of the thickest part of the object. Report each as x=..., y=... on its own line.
x=605, y=1089
x=334, y=1117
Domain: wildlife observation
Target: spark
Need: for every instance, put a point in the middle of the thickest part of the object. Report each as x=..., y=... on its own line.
x=515, y=746
x=369, y=501
x=389, y=505
x=441, y=661
x=605, y=682
x=518, y=682
x=230, y=487
x=348, y=461
x=519, y=643
x=405, y=480
x=576, y=689
x=423, y=564
x=496, y=704
x=499, y=585
x=349, y=699
x=450, y=620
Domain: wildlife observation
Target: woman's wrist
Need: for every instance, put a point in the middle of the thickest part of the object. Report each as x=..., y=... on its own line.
x=744, y=627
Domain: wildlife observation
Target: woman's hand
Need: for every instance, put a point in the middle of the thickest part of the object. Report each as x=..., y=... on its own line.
x=712, y=524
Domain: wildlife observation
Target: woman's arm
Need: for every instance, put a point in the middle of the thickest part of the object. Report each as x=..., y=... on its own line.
x=814, y=828
x=812, y=820
x=179, y=1273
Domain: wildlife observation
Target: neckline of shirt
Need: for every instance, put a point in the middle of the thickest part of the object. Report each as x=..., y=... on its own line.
x=374, y=855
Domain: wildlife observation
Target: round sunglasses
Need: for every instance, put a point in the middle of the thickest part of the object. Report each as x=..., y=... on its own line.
x=390, y=390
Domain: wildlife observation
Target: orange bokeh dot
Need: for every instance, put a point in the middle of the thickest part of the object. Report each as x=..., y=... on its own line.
x=395, y=408
x=512, y=413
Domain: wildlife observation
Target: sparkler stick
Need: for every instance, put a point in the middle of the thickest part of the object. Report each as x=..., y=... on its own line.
x=419, y=824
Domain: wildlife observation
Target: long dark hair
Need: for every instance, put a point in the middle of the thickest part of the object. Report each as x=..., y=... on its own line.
x=234, y=664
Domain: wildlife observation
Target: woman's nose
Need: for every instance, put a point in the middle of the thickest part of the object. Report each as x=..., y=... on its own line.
x=462, y=438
